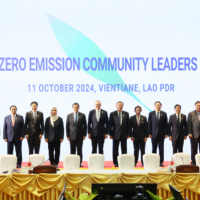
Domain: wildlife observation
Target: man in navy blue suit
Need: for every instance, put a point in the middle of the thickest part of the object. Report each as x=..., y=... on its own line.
x=13, y=133
x=157, y=129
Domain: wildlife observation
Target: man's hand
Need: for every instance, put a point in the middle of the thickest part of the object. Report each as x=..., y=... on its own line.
x=128, y=136
x=68, y=138
x=190, y=136
x=111, y=137
x=132, y=138
x=46, y=140
x=21, y=138
x=145, y=139
x=166, y=136
x=150, y=136
x=89, y=135
x=5, y=140
x=106, y=136
x=185, y=137
x=84, y=137
x=40, y=136
x=27, y=137
x=170, y=138
x=61, y=140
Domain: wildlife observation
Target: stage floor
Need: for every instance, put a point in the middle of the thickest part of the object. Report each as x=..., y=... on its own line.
x=108, y=164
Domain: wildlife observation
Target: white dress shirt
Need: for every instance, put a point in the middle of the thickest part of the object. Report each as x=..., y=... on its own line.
x=121, y=117
x=179, y=117
x=99, y=114
x=158, y=114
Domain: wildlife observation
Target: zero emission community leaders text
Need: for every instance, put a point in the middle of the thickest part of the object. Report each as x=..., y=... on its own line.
x=98, y=64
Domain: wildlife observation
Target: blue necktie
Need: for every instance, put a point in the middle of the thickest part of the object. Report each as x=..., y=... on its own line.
x=76, y=119
x=158, y=116
x=119, y=118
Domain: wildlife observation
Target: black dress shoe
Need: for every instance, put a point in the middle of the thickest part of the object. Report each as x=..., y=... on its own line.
x=19, y=166
x=116, y=165
x=81, y=165
x=161, y=165
x=193, y=163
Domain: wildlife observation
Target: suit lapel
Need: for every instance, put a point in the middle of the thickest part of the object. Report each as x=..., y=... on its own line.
x=197, y=116
x=117, y=117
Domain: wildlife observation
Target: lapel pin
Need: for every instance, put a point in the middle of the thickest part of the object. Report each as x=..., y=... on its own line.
x=38, y=115
x=123, y=115
x=102, y=111
x=79, y=116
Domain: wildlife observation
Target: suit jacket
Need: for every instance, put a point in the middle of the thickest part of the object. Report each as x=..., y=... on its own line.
x=30, y=126
x=17, y=131
x=177, y=129
x=98, y=128
x=193, y=124
x=115, y=129
x=76, y=130
x=155, y=127
x=141, y=131
x=54, y=133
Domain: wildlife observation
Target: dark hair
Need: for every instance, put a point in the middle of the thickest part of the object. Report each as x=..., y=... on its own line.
x=34, y=102
x=196, y=102
x=158, y=102
x=119, y=102
x=13, y=106
x=177, y=105
x=75, y=104
x=138, y=107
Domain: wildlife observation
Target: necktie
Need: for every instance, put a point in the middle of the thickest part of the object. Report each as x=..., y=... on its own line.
x=120, y=118
x=138, y=120
x=157, y=116
x=13, y=120
x=76, y=119
x=34, y=117
x=98, y=116
x=178, y=120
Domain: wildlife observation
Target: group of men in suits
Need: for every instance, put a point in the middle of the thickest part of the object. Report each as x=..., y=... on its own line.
x=119, y=126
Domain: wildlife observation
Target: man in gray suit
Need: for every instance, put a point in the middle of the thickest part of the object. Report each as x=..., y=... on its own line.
x=13, y=133
x=76, y=128
x=194, y=130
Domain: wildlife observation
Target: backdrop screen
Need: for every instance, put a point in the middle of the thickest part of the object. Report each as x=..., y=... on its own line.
x=61, y=52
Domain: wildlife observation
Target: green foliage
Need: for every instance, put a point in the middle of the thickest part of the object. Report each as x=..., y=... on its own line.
x=156, y=197
x=83, y=196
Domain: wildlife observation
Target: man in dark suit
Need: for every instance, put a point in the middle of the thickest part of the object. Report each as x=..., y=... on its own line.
x=13, y=133
x=34, y=128
x=119, y=130
x=97, y=127
x=138, y=133
x=177, y=129
x=194, y=130
x=76, y=130
x=157, y=129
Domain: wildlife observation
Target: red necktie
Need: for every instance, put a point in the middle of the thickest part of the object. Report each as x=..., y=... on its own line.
x=13, y=120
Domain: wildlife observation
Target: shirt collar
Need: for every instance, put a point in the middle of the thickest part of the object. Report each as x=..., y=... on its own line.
x=13, y=115
x=76, y=113
x=98, y=110
x=34, y=112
